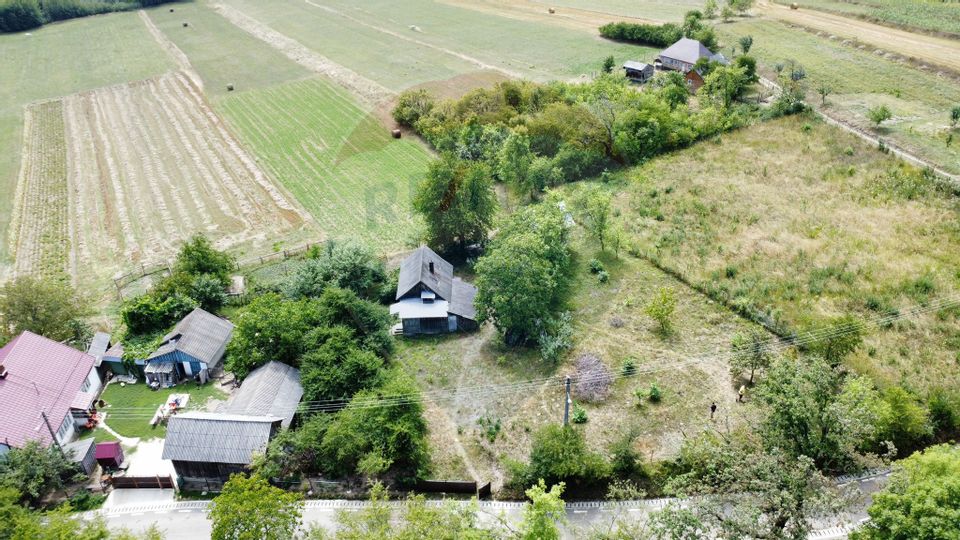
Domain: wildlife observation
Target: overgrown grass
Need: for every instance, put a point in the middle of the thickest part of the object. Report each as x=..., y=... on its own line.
x=797, y=225
x=130, y=408
x=924, y=15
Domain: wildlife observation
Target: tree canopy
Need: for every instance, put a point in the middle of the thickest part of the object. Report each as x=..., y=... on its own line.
x=249, y=508
x=47, y=307
x=457, y=201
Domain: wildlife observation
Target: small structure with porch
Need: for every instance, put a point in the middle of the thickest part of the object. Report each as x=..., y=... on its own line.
x=429, y=299
x=194, y=348
x=638, y=71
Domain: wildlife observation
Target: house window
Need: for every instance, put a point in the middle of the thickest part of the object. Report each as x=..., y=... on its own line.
x=64, y=427
x=86, y=385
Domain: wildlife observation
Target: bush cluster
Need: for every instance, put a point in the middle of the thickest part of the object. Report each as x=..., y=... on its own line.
x=19, y=15
x=655, y=35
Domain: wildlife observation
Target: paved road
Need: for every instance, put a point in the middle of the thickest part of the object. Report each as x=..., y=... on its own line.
x=188, y=520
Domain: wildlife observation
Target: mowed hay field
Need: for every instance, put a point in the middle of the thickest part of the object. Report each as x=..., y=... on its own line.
x=802, y=222
x=336, y=158
x=923, y=15
x=402, y=44
x=145, y=166
x=56, y=60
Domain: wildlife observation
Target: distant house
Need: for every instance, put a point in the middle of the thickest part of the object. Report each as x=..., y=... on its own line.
x=208, y=447
x=429, y=299
x=47, y=390
x=638, y=71
x=193, y=348
x=272, y=389
x=683, y=55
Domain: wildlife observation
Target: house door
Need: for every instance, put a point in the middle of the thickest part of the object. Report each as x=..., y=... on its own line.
x=452, y=323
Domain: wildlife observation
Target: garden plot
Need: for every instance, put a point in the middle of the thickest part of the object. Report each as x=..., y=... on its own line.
x=148, y=164
x=337, y=159
x=39, y=231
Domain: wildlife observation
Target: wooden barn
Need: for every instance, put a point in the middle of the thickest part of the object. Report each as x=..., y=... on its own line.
x=638, y=71
x=429, y=299
x=208, y=447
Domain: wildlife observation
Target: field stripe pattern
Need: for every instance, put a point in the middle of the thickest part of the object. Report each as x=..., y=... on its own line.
x=339, y=162
x=39, y=235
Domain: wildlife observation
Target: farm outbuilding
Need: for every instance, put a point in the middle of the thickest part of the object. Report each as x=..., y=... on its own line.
x=638, y=71
x=429, y=299
x=83, y=453
x=109, y=455
x=272, y=389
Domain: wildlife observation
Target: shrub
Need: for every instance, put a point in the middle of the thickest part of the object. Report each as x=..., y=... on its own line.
x=596, y=266
x=17, y=15
x=593, y=378
x=560, y=454
x=579, y=414
x=603, y=276
x=660, y=308
x=556, y=338
x=879, y=114
x=654, y=394
x=662, y=35
x=629, y=367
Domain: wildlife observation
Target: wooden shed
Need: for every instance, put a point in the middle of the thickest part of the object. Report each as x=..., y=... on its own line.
x=83, y=453
x=109, y=455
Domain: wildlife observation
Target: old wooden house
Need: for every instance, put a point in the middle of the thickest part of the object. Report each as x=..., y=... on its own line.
x=683, y=56
x=193, y=349
x=638, y=71
x=429, y=299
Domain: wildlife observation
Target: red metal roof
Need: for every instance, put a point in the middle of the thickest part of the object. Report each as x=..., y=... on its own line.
x=42, y=376
x=109, y=450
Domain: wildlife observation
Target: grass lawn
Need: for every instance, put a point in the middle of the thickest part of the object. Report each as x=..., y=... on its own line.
x=920, y=100
x=60, y=59
x=337, y=160
x=138, y=403
x=657, y=10
x=858, y=232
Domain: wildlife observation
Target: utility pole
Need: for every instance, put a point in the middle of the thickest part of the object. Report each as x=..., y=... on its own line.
x=566, y=405
x=53, y=436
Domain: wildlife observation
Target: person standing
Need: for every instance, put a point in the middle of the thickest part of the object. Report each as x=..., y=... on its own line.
x=741, y=392
x=713, y=409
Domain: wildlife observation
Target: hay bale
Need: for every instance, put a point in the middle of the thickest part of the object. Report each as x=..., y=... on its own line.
x=551, y=11
x=395, y=133
x=186, y=25
x=794, y=6
x=171, y=10
x=229, y=88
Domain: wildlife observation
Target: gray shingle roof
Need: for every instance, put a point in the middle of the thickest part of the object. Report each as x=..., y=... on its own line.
x=217, y=438
x=99, y=344
x=270, y=390
x=462, y=301
x=200, y=334
x=687, y=50
x=416, y=269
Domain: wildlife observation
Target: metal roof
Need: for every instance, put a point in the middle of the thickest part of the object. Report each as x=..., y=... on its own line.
x=687, y=50
x=201, y=335
x=416, y=269
x=415, y=308
x=272, y=389
x=77, y=450
x=639, y=66
x=43, y=376
x=98, y=346
x=462, y=302
x=216, y=437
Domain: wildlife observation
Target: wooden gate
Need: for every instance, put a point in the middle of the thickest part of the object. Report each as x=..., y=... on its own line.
x=142, y=482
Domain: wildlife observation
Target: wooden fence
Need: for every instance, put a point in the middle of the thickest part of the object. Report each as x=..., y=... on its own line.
x=454, y=486
x=142, y=482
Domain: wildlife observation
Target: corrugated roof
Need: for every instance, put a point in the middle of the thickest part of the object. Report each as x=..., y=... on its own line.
x=217, y=438
x=272, y=389
x=416, y=269
x=77, y=450
x=99, y=344
x=201, y=335
x=687, y=50
x=462, y=302
x=632, y=64
x=43, y=376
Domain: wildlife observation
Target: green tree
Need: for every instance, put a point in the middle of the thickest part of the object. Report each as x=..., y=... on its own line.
x=921, y=500
x=17, y=15
x=724, y=84
x=741, y=6
x=824, y=89
x=411, y=106
x=369, y=322
x=749, y=66
x=838, y=338
x=347, y=265
x=710, y=9
x=608, y=64
x=545, y=513
x=513, y=162
x=559, y=454
x=43, y=306
x=660, y=308
x=955, y=116
x=151, y=312
x=672, y=88
x=543, y=173
x=249, y=508
x=745, y=43
x=270, y=328
x=905, y=422
x=879, y=114
x=726, y=13
x=750, y=352
x=338, y=368
x=457, y=201
x=595, y=206
x=208, y=291
x=374, y=440
x=198, y=256
x=35, y=471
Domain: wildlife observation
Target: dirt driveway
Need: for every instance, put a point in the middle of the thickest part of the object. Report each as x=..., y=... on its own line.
x=929, y=49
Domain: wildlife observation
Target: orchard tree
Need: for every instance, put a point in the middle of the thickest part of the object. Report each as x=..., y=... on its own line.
x=347, y=265
x=270, y=328
x=879, y=114
x=608, y=64
x=513, y=162
x=824, y=90
x=710, y=9
x=594, y=203
x=35, y=471
x=921, y=500
x=249, y=508
x=198, y=256
x=44, y=306
x=838, y=338
x=741, y=6
x=750, y=353
x=457, y=201
x=660, y=308
x=745, y=43
x=724, y=84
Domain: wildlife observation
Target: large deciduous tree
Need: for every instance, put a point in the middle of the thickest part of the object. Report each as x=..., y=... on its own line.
x=457, y=201
x=249, y=508
x=595, y=205
x=46, y=307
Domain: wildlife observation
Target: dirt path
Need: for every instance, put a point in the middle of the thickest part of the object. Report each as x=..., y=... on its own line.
x=369, y=91
x=178, y=56
x=525, y=10
x=924, y=48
